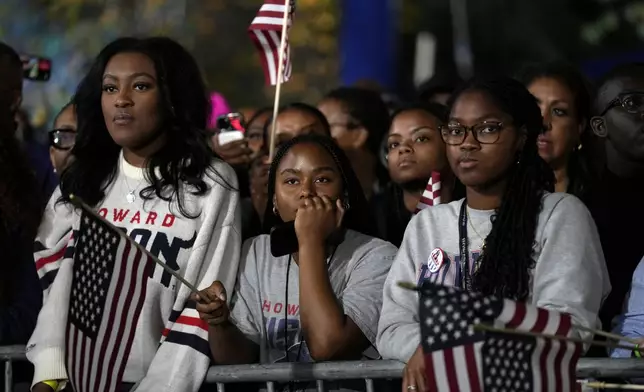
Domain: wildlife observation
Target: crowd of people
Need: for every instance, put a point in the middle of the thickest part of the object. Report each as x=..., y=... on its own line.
x=540, y=180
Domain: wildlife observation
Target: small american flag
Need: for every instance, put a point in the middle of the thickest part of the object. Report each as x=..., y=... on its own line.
x=266, y=33
x=459, y=358
x=432, y=194
x=108, y=290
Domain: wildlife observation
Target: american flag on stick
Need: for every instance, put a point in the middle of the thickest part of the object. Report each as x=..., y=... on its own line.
x=459, y=357
x=266, y=33
x=432, y=194
x=110, y=275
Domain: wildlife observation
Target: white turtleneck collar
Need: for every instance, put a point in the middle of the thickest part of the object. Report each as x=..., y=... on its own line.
x=129, y=170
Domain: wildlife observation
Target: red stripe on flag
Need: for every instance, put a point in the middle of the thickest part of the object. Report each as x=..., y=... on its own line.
x=562, y=330
x=430, y=377
x=277, y=15
x=450, y=369
x=132, y=288
x=472, y=369
x=83, y=379
x=519, y=315
x=541, y=322
x=543, y=357
x=105, y=343
x=266, y=32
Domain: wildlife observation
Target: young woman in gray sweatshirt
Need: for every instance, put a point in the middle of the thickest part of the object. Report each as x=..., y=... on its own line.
x=519, y=241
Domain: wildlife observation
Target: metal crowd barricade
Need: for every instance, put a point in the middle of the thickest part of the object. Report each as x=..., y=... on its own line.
x=9, y=354
x=318, y=372
x=374, y=370
x=335, y=371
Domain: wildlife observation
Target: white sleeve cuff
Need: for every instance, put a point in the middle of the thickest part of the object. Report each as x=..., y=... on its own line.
x=49, y=364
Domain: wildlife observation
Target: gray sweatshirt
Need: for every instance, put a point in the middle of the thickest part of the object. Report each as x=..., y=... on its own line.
x=570, y=274
x=264, y=314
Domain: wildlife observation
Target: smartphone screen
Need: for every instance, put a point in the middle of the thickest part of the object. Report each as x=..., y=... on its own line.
x=36, y=68
x=231, y=122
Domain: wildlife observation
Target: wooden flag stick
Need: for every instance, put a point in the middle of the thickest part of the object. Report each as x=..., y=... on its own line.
x=606, y=334
x=484, y=327
x=280, y=77
x=605, y=385
x=81, y=204
x=408, y=286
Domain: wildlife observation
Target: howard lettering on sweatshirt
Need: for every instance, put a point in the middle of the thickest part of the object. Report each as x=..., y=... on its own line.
x=284, y=333
x=156, y=232
x=145, y=218
x=450, y=271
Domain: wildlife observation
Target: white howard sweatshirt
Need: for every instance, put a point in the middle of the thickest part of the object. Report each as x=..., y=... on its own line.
x=170, y=351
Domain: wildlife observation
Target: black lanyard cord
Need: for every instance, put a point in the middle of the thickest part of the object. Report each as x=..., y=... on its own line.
x=463, y=243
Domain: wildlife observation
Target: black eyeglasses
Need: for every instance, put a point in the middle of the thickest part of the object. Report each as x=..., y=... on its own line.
x=62, y=138
x=487, y=132
x=632, y=102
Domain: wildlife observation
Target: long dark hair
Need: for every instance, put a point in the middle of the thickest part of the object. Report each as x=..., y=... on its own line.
x=508, y=257
x=581, y=170
x=357, y=217
x=180, y=165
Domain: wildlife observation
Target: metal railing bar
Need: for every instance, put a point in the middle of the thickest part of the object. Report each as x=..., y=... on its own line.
x=369, y=385
x=285, y=372
x=332, y=371
x=8, y=376
x=604, y=367
x=12, y=353
x=320, y=385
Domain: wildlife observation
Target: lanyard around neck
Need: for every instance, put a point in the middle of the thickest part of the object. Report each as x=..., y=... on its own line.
x=463, y=243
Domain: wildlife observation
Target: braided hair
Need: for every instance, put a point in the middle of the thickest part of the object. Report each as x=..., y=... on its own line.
x=508, y=257
x=580, y=164
x=357, y=217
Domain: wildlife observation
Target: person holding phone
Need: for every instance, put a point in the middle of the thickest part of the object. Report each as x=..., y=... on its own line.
x=321, y=301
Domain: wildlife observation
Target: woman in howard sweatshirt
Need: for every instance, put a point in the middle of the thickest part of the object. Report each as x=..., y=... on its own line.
x=321, y=300
x=142, y=161
x=520, y=241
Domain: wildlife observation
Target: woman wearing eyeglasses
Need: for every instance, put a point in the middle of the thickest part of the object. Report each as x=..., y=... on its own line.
x=62, y=138
x=519, y=240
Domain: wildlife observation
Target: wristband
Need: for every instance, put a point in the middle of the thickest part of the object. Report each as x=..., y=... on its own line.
x=637, y=351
